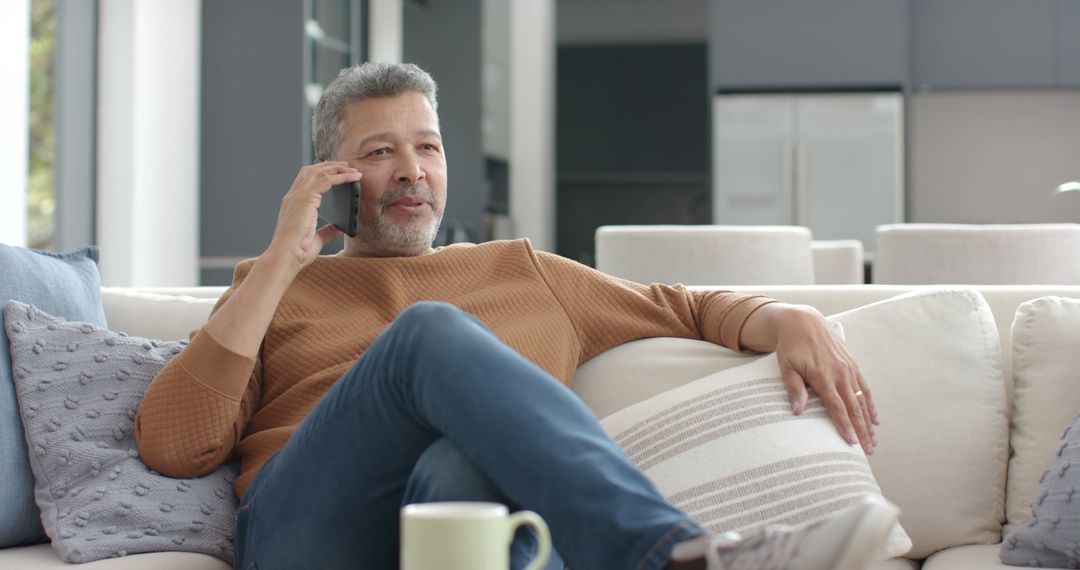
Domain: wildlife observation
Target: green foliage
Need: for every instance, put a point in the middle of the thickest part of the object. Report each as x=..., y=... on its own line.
x=41, y=195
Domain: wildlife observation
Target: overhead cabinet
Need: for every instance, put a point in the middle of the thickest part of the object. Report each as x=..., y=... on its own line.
x=986, y=43
x=934, y=44
x=1068, y=35
x=794, y=43
x=831, y=162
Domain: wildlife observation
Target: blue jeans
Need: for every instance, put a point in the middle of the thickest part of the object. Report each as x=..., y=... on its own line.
x=438, y=408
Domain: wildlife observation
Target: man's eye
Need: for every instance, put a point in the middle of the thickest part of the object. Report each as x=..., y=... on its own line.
x=430, y=147
x=380, y=152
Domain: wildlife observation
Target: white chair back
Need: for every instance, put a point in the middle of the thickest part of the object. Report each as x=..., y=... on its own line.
x=707, y=255
x=968, y=254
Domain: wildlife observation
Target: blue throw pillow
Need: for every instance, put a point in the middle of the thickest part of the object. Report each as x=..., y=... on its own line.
x=67, y=285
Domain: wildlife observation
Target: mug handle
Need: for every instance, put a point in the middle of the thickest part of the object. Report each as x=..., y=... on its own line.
x=543, y=551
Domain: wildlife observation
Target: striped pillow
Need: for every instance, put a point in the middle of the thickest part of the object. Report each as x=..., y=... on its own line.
x=727, y=450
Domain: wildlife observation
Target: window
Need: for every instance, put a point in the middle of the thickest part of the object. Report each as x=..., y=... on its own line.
x=41, y=191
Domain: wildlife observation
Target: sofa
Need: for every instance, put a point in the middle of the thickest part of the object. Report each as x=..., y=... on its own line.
x=997, y=478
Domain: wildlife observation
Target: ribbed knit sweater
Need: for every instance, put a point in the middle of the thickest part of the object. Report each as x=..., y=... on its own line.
x=210, y=402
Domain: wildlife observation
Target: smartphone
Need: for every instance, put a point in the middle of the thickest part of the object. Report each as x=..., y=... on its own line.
x=341, y=208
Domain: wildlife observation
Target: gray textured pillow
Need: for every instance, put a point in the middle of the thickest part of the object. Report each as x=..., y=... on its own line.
x=1052, y=537
x=79, y=387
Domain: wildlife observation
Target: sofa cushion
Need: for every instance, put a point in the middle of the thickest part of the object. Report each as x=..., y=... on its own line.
x=79, y=387
x=1046, y=394
x=43, y=557
x=639, y=370
x=728, y=451
x=65, y=284
x=1052, y=536
x=895, y=564
x=933, y=361
x=975, y=557
x=155, y=315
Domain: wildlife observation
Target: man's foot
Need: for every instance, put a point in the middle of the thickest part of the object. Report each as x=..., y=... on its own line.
x=850, y=539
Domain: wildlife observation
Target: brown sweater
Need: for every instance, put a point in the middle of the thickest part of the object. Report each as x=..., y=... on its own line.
x=209, y=401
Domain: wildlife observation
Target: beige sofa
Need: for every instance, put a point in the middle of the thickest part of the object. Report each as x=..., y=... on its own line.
x=1037, y=416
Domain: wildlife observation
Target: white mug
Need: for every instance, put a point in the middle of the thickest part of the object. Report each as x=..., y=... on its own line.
x=466, y=536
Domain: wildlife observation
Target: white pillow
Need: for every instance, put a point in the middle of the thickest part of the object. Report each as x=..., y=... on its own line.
x=728, y=451
x=1046, y=394
x=635, y=371
x=933, y=362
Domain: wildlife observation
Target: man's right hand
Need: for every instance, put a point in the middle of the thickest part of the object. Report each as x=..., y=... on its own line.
x=241, y=321
x=297, y=238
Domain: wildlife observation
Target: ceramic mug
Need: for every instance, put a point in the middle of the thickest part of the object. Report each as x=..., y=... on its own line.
x=466, y=536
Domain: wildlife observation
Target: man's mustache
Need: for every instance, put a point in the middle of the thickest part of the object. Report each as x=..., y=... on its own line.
x=406, y=191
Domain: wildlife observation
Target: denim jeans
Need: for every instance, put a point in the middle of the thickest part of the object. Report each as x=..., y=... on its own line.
x=437, y=408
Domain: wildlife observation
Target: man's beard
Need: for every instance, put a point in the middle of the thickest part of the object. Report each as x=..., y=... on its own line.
x=414, y=237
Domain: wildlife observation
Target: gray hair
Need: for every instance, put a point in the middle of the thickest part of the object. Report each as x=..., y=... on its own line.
x=359, y=82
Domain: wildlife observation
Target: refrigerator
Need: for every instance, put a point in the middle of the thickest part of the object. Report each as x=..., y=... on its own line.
x=833, y=162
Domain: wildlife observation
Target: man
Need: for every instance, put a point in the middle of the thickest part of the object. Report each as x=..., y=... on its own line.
x=347, y=392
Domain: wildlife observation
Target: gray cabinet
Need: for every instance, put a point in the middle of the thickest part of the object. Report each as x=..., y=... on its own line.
x=996, y=43
x=984, y=43
x=648, y=98
x=792, y=43
x=938, y=44
x=1068, y=35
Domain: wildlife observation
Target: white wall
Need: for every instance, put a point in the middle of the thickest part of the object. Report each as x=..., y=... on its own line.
x=532, y=121
x=14, y=107
x=994, y=156
x=148, y=142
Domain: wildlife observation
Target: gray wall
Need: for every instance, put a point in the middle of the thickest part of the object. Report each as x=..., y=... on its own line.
x=443, y=37
x=994, y=157
x=252, y=123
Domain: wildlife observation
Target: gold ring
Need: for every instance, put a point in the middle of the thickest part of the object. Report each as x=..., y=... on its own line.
x=859, y=394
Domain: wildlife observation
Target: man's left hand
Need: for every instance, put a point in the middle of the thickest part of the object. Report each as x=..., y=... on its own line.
x=811, y=354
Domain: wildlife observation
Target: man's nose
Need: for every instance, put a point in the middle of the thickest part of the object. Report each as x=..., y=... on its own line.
x=409, y=170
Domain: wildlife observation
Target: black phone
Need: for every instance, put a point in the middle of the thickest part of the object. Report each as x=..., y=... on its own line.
x=341, y=207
